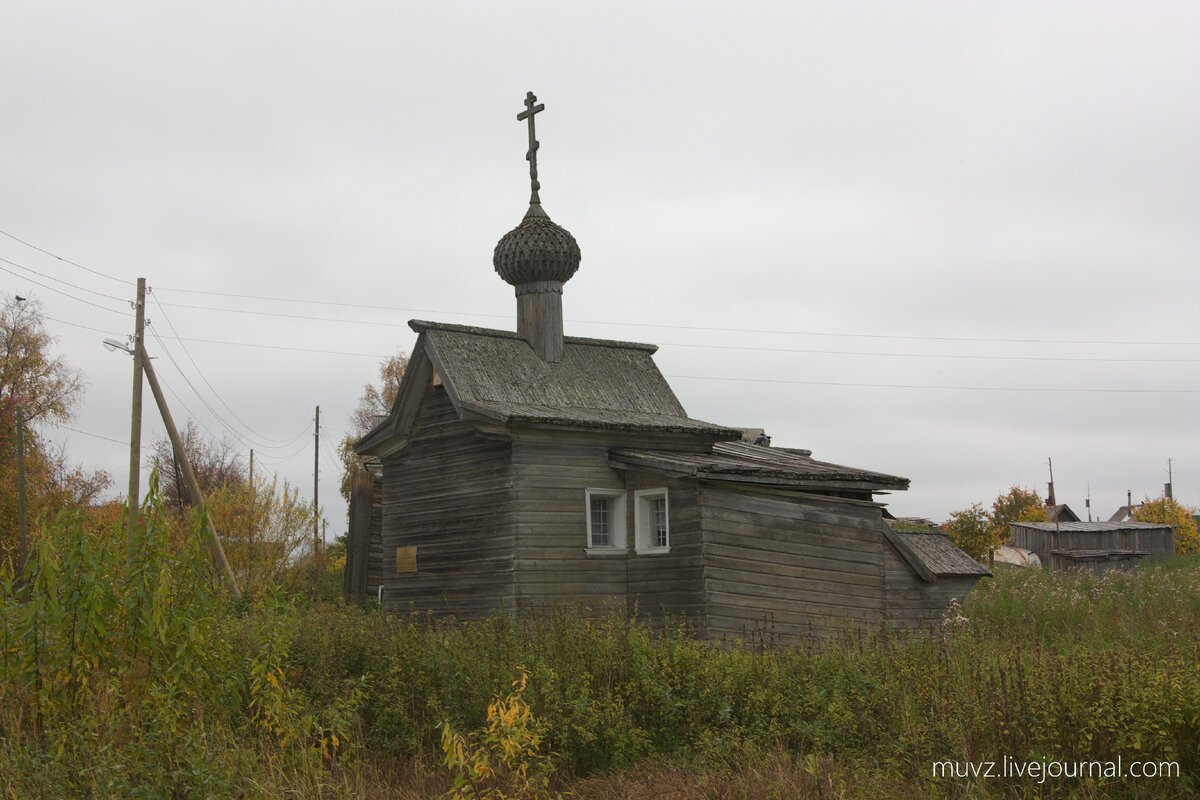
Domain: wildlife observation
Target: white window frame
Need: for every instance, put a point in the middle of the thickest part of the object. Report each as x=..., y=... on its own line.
x=616, y=522
x=642, y=524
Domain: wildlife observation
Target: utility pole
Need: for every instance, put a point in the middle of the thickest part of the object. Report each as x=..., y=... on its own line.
x=1170, y=493
x=316, y=484
x=22, y=516
x=189, y=477
x=1050, y=501
x=135, y=430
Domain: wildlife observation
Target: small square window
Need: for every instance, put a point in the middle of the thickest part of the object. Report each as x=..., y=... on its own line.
x=605, y=511
x=652, y=521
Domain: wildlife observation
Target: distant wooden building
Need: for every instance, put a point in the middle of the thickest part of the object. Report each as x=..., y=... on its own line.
x=1124, y=513
x=1061, y=512
x=1095, y=546
x=527, y=469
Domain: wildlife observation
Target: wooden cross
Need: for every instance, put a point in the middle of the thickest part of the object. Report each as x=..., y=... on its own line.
x=531, y=156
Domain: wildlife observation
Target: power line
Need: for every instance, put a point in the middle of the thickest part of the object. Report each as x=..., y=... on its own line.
x=200, y=372
x=93, y=435
x=64, y=283
x=189, y=411
x=279, y=347
x=275, y=461
x=220, y=420
x=191, y=414
x=65, y=294
x=328, y=451
x=84, y=327
x=772, y=331
x=509, y=316
x=222, y=342
x=65, y=260
x=326, y=303
x=935, y=355
x=918, y=386
x=252, y=312
x=705, y=347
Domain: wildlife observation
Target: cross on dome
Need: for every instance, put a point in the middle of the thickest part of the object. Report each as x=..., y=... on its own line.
x=531, y=155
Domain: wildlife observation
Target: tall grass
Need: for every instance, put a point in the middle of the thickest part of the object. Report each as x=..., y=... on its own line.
x=126, y=672
x=1024, y=672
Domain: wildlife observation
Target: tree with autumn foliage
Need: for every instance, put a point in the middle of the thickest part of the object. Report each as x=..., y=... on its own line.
x=969, y=529
x=375, y=402
x=979, y=532
x=265, y=529
x=47, y=390
x=1015, y=505
x=1167, y=511
x=216, y=463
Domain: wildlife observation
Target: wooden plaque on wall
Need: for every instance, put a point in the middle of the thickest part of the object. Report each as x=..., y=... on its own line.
x=406, y=559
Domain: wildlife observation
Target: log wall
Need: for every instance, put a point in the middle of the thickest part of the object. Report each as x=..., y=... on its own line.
x=551, y=471
x=782, y=570
x=448, y=494
x=911, y=602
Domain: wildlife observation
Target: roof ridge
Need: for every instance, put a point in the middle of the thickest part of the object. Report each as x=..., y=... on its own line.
x=420, y=326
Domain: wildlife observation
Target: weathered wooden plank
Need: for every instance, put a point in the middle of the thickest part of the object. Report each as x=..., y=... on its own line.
x=795, y=594
x=715, y=501
x=788, y=623
x=827, y=572
x=867, y=561
x=783, y=527
x=750, y=559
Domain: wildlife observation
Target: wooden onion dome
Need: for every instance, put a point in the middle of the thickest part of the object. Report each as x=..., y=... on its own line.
x=537, y=257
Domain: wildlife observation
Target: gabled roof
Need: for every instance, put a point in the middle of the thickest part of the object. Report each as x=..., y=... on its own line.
x=1061, y=512
x=599, y=383
x=751, y=463
x=1123, y=513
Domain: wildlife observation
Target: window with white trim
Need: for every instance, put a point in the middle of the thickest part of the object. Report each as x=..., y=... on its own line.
x=605, y=509
x=652, y=521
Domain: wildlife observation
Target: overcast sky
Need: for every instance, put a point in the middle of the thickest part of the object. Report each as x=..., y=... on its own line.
x=825, y=213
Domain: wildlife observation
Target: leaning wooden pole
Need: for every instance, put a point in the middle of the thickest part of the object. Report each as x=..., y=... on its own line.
x=189, y=477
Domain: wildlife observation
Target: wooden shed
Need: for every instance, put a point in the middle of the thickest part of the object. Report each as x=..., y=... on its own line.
x=527, y=469
x=1097, y=546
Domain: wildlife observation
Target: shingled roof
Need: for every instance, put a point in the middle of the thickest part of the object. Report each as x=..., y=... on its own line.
x=1095, y=527
x=752, y=463
x=932, y=555
x=599, y=383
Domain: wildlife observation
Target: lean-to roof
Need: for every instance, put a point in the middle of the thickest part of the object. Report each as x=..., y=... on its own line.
x=932, y=555
x=756, y=464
